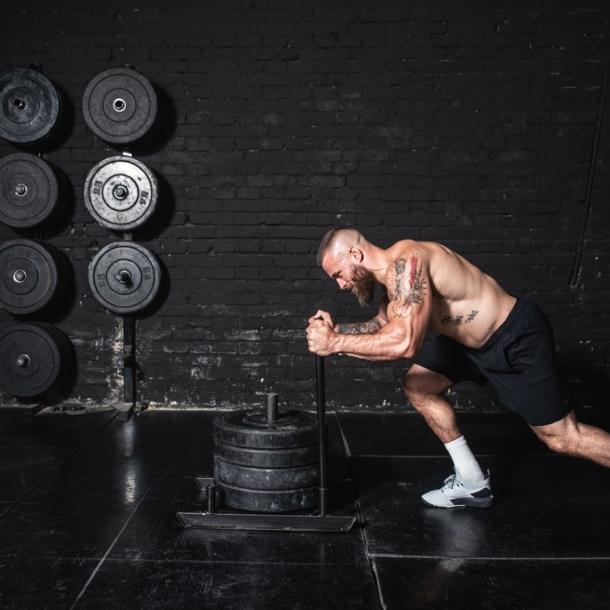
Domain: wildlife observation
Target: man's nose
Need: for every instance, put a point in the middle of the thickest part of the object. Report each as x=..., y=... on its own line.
x=342, y=283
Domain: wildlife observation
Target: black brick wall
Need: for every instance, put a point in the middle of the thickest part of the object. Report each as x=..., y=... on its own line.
x=471, y=123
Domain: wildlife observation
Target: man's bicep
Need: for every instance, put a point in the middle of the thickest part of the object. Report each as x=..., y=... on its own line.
x=382, y=314
x=411, y=294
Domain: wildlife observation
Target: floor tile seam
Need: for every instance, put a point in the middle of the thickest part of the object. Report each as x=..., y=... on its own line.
x=220, y=561
x=371, y=562
x=446, y=457
x=470, y=558
x=109, y=550
x=54, y=470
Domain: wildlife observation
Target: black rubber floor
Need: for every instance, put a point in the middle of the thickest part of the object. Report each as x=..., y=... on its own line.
x=88, y=520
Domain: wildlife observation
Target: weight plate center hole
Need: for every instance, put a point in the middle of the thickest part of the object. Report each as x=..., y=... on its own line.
x=120, y=192
x=123, y=276
x=23, y=360
x=19, y=104
x=20, y=276
x=21, y=190
x=119, y=105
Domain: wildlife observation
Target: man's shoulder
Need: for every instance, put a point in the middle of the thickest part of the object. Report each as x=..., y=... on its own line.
x=405, y=249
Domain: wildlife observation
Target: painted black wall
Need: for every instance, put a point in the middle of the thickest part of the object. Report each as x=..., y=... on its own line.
x=479, y=124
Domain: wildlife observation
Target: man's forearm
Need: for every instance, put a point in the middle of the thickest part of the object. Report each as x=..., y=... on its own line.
x=358, y=328
x=379, y=346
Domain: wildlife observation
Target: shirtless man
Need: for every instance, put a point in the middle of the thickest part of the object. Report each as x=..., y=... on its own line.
x=485, y=335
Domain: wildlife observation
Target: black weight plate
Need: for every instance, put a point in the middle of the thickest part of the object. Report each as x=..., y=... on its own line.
x=120, y=106
x=124, y=277
x=33, y=358
x=121, y=193
x=29, y=106
x=248, y=429
x=32, y=275
x=267, y=458
x=296, y=477
x=276, y=501
x=29, y=191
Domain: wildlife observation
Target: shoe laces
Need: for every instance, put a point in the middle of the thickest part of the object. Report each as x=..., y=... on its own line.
x=452, y=481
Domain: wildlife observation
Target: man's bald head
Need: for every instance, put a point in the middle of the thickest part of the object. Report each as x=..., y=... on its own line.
x=338, y=242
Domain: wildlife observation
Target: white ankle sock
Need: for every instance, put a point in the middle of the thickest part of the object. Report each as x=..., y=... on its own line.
x=464, y=461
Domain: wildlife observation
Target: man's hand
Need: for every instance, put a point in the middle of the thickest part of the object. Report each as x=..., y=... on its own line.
x=322, y=315
x=320, y=336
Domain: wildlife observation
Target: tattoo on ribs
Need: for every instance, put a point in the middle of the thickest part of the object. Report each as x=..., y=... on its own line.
x=410, y=289
x=359, y=328
x=458, y=319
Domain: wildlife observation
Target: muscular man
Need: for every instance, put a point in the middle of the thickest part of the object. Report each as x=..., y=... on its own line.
x=485, y=335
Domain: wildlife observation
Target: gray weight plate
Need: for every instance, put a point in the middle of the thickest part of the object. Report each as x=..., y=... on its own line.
x=121, y=193
x=32, y=275
x=33, y=358
x=266, y=501
x=124, y=277
x=29, y=106
x=265, y=478
x=29, y=191
x=120, y=106
x=267, y=458
x=250, y=429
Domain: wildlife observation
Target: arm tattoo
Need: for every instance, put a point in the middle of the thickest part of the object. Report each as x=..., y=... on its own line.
x=408, y=290
x=359, y=328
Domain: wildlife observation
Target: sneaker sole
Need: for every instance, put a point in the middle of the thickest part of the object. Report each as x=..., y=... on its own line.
x=464, y=502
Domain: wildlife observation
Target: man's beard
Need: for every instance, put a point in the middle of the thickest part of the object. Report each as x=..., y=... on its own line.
x=362, y=285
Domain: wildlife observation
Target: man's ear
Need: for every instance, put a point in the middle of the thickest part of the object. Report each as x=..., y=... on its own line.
x=355, y=254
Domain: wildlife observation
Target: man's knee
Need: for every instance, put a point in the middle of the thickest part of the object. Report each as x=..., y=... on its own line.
x=423, y=382
x=562, y=436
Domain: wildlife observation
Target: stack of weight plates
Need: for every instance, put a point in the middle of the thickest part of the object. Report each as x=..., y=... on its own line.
x=266, y=466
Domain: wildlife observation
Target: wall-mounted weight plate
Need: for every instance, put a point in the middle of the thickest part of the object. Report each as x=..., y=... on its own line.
x=33, y=275
x=124, y=277
x=248, y=477
x=120, y=106
x=267, y=458
x=251, y=429
x=33, y=358
x=121, y=193
x=267, y=501
x=30, y=106
x=29, y=191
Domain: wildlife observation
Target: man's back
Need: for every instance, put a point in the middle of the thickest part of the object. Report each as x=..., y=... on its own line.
x=467, y=304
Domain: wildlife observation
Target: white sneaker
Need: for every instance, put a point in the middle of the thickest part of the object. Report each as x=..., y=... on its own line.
x=456, y=493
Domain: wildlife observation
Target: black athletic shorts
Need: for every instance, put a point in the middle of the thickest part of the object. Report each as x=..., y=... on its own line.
x=518, y=360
